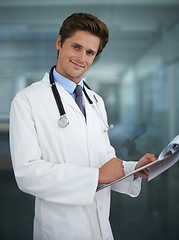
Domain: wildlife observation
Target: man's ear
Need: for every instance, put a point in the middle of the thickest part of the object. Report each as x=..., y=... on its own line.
x=58, y=43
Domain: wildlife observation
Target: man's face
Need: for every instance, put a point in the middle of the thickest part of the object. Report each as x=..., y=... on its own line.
x=76, y=54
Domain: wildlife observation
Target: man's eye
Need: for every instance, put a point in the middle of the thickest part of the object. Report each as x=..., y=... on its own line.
x=90, y=53
x=76, y=47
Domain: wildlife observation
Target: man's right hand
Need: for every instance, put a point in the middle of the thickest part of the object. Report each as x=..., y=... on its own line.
x=111, y=171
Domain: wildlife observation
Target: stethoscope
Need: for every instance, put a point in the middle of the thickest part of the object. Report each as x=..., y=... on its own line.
x=63, y=120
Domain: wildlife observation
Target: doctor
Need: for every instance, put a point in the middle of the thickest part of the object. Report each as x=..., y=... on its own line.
x=62, y=166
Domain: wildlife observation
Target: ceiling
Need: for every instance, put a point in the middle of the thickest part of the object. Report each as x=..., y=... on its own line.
x=134, y=25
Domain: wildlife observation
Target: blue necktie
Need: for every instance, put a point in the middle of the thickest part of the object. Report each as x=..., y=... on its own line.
x=78, y=92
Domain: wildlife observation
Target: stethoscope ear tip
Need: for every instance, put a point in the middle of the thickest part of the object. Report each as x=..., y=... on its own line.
x=108, y=128
x=111, y=127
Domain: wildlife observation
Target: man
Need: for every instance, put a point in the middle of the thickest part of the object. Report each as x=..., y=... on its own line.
x=63, y=166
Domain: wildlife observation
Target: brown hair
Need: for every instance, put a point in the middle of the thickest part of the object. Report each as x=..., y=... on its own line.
x=85, y=22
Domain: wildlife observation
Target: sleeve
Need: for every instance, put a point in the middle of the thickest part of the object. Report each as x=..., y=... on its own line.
x=58, y=183
x=128, y=186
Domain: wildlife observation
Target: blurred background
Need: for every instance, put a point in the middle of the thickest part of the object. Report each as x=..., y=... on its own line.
x=138, y=77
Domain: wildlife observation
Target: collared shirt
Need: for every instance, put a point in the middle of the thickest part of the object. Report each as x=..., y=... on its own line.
x=66, y=83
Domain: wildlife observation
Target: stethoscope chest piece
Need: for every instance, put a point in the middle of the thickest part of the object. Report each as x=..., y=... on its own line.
x=63, y=121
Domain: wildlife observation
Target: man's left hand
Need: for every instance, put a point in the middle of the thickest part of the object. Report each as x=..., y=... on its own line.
x=146, y=159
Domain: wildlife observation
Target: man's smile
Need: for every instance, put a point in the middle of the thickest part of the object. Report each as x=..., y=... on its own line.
x=77, y=64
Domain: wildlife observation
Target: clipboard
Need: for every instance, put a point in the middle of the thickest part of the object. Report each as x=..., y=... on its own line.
x=135, y=171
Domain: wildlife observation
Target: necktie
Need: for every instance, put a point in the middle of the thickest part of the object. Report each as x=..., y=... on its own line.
x=78, y=92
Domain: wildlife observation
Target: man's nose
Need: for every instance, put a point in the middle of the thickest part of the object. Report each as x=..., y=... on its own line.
x=81, y=56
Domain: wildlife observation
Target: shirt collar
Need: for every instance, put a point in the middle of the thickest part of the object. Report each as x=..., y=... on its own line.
x=66, y=83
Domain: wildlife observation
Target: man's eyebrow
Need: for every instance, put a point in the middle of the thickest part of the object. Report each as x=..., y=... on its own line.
x=77, y=44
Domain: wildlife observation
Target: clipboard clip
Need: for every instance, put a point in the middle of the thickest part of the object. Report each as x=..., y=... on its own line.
x=174, y=148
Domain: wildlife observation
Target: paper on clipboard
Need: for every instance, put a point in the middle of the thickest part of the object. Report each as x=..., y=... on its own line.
x=156, y=167
x=163, y=165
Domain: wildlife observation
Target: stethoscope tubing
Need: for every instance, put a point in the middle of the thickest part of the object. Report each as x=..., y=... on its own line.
x=63, y=121
x=56, y=93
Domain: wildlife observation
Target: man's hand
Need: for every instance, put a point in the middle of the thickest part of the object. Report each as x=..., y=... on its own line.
x=147, y=158
x=111, y=171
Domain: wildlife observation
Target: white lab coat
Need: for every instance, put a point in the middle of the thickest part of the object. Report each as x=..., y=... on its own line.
x=59, y=166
